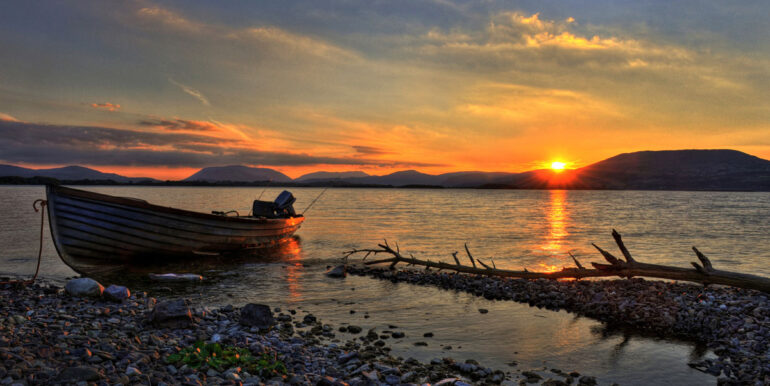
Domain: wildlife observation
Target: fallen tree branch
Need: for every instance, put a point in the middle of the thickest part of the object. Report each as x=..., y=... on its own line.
x=703, y=273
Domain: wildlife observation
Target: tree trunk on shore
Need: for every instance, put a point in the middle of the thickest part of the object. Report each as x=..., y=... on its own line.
x=702, y=273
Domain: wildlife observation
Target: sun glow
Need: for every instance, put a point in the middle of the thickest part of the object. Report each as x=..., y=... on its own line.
x=558, y=166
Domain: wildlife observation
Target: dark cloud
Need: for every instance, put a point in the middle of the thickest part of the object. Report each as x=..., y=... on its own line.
x=30, y=143
x=179, y=124
x=369, y=150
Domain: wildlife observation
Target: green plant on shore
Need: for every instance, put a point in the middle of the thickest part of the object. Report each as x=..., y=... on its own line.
x=220, y=358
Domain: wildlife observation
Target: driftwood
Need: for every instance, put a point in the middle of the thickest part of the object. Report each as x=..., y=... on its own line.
x=702, y=273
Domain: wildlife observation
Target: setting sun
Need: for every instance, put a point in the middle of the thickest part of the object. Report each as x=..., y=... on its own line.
x=558, y=166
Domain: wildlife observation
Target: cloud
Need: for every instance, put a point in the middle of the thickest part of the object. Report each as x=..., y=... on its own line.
x=180, y=124
x=264, y=37
x=191, y=91
x=6, y=117
x=105, y=106
x=32, y=143
x=518, y=39
x=369, y=150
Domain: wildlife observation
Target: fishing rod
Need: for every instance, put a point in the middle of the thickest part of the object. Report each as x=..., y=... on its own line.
x=316, y=199
x=263, y=190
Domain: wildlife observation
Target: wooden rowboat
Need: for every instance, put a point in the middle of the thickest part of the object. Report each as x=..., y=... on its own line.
x=93, y=226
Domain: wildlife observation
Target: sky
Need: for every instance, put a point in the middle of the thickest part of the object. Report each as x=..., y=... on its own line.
x=164, y=88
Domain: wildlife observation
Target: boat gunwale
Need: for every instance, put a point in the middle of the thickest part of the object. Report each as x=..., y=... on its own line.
x=141, y=204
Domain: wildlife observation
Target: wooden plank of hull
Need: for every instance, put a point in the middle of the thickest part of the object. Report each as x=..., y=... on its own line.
x=182, y=223
x=91, y=225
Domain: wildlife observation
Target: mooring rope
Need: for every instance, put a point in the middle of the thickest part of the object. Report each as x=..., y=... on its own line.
x=40, y=246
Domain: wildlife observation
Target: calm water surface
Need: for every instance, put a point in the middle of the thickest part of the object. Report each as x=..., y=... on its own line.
x=532, y=229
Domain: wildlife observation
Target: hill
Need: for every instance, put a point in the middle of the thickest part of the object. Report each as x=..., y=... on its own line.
x=68, y=173
x=657, y=170
x=237, y=173
x=324, y=176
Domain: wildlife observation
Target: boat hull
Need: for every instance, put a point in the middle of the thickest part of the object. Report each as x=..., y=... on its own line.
x=93, y=226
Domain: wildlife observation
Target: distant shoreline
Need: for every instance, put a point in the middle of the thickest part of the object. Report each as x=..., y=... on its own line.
x=34, y=181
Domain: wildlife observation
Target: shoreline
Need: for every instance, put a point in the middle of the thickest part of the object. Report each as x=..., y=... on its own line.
x=734, y=323
x=49, y=336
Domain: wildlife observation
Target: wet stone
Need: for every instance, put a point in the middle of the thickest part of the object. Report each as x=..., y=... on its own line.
x=172, y=314
x=116, y=293
x=78, y=374
x=257, y=315
x=84, y=287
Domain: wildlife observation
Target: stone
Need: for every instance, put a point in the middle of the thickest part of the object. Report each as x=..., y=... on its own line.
x=587, y=381
x=79, y=374
x=130, y=370
x=354, y=329
x=257, y=315
x=345, y=357
x=84, y=287
x=339, y=271
x=116, y=293
x=233, y=376
x=172, y=314
x=397, y=335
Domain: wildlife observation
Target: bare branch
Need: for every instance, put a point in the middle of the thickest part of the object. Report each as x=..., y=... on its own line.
x=703, y=259
x=580, y=266
x=468, y=251
x=623, y=249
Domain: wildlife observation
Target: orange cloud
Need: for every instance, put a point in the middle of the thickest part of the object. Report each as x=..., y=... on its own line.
x=6, y=117
x=106, y=106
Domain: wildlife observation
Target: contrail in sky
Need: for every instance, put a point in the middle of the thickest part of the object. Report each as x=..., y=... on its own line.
x=197, y=94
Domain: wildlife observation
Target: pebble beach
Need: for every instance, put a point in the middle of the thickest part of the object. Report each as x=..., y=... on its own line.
x=51, y=336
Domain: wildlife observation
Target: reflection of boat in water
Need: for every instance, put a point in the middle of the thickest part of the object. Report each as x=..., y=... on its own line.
x=98, y=228
x=211, y=267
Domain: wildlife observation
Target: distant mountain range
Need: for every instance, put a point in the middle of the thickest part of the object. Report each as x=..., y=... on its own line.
x=644, y=170
x=69, y=173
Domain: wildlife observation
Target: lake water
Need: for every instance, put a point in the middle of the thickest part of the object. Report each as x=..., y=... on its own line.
x=519, y=229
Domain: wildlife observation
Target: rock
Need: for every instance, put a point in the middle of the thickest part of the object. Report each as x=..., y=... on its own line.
x=130, y=370
x=84, y=287
x=79, y=374
x=587, y=381
x=116, y=293
x=339, y=271
x=345, y=357
x=330, y=381
x=257, y=315
x=427, y=335
x=233, y=376
x=483, y=310
x=531, y=375
x=173, y=277
x=172, y=314
x=354, y=329
x=397, y=335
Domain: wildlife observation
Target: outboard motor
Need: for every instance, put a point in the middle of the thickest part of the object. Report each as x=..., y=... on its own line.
x=284, y=204
x=263, y=209
x=281, y=207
